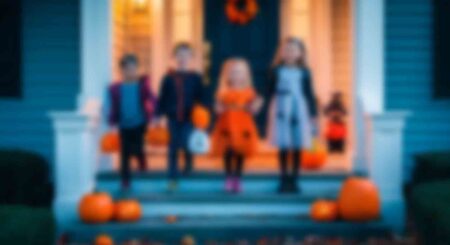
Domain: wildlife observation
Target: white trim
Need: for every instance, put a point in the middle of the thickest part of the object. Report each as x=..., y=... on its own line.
x=369, y=54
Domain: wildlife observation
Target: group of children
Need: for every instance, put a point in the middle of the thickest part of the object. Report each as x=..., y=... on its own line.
x=290, y=98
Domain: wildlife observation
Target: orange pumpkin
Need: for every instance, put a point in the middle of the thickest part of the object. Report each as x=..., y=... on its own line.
x=336, y=131
x=314, y=158
x=103, y=240
x=170, y=219
x=157, y=136
x=127, y=211
x=200, y=117
x=324, y=211
x=96, y=208
x=110, y=142
x=359, y=200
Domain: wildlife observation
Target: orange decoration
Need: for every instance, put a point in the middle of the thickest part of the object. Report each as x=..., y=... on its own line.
x=96, y=208
x=324, y=211
x=127, y=211
x=359, y=200
x=242, y=16
x=110, y=142
x=157, y=136
x=315, y=158
x=200, y=117
x=235, y=128
x=103, y=240
x=336, y=131
x=170, y=219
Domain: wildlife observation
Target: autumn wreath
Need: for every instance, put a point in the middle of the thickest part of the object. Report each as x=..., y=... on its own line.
x=241, y=15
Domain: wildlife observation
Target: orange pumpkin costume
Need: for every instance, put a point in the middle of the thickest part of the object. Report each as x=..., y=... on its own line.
x=235, y=128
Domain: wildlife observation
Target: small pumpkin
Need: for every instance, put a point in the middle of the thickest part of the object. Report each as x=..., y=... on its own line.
x=157, y=136
x=110, y=142
x=103, y=239
x=95, y=208
x=170, y=219
x=324, y=211
x=314, y=158
x=200, y=117
x=127, y=211
x=359, y=200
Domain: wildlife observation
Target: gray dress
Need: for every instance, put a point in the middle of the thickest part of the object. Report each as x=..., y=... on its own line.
x=290, y=123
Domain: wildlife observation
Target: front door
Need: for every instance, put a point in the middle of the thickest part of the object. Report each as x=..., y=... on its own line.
x=255, y=41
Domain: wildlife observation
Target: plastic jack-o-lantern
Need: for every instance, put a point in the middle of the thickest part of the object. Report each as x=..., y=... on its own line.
x=324, y=211
x=157, y=136
x=96, y=208
x=314, y=158
x=200, y=117
x=127, y=211
x=103, y=239
x=359, y=200
x=110, y=142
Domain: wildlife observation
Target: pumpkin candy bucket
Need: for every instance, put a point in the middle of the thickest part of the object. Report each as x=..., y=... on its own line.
x=200, y=117
x=110, y=143
x=157, y=136
x=314, y=158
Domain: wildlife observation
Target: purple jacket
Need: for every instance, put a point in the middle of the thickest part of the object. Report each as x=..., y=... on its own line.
x=148, y=100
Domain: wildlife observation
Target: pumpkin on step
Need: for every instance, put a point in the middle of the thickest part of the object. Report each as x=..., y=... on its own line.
x=110, y=142
x=200, y=117
x=324, y=211
x=359, y=200
x=157, y=136
x=314, y=158
x=103, y=240
x=127, y=211
x=96, y=208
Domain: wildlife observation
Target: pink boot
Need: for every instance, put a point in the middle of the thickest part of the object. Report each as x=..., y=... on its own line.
x=237, y=185
x=229, y=184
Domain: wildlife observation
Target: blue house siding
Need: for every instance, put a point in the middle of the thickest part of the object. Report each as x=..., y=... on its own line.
x=50, y=73
x=409, y=77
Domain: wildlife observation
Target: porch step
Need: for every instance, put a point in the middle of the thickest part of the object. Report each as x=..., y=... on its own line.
x=232, y=228
x=212, y=182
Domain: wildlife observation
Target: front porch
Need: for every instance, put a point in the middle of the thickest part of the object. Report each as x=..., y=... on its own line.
x=203, y=210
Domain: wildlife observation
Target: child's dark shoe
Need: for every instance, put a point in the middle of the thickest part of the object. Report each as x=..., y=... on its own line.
x=283, y=188
x=292, y=186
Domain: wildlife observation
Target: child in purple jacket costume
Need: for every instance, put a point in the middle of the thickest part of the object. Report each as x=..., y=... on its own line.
x=132, y=104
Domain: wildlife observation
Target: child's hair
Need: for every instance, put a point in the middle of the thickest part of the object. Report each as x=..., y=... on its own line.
x=225, y=71
x=128, y=59
x=278, y=59
x=182, y=46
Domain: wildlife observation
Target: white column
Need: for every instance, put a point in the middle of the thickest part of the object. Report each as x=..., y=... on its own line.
x=76, y=145
x=96, y=50
x=386, y=163
x=159, y=42
x=369, y=53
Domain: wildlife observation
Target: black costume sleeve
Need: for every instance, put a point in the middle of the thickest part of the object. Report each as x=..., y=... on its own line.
x=309, y=93
x=161, y=108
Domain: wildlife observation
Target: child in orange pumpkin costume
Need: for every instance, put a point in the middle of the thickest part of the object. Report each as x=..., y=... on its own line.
x=235, y=135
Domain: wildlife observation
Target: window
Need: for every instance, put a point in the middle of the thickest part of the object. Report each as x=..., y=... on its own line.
x=10, y=48
x=442, y=49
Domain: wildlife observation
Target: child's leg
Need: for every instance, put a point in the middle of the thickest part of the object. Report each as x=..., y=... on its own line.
x=239, y=165
x=228, y=162
x=187, y=161
x=296, y=165
x=125, y=154
x=282, y=158
x=140, y=151
x=174, y=146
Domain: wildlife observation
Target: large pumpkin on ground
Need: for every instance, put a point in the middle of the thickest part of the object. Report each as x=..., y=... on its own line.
x=314, y=158
x=324, y=211
x=96, y=208
x=127, y=211
x=110, y=142
x=359, y=200
x=157, y=136
x=200, y=117
x=103, y=240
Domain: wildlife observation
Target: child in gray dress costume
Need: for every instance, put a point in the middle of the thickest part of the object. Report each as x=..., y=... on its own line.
x=293, y=110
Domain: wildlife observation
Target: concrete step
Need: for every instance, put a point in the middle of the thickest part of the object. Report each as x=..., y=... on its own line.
x=232, y=228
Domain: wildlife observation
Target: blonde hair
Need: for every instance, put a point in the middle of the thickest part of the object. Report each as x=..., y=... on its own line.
x=225, y=71
x=278, y=58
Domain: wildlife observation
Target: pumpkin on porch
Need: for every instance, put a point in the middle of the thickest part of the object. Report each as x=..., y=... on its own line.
x=110, y=142
x=103, y=239
x=314, y=158
x=157, y=136
x=324, y=211
x=359, y=200
x=200, y=117
x=127, y=211
x=95, y=208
